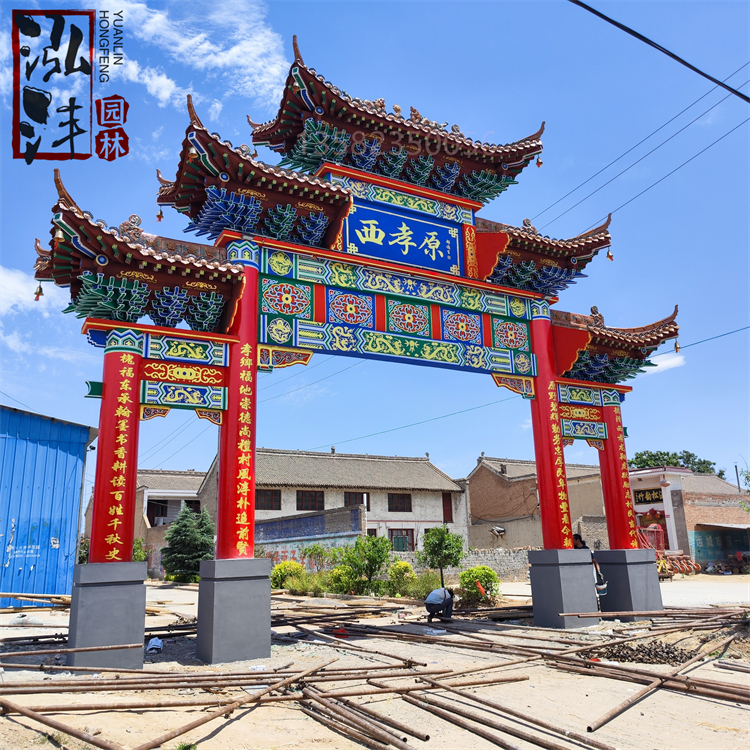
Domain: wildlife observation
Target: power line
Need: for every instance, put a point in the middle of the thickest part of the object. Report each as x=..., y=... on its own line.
x=643, y=140
x=300, y=372
x=656, y=46
x=702, y=341
x=192, y=440
x=16, y=400
x=294, y=390
x=669, y=174
x=154, y=449
x=638, y=161
x=414, y=424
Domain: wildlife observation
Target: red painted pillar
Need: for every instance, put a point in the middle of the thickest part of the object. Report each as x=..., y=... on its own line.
x=618, y=501
x=552, y=486
x=113, y=514
x=235, y=528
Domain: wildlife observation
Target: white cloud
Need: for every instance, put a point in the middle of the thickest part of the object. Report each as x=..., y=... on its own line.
x=215, y=110
x=157, y=83
x=17, y=294
x=526, y=424
x=230, y=43
x=665, y=362
x=6, y=61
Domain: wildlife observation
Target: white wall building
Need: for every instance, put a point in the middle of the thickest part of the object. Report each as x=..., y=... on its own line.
x=404, y=496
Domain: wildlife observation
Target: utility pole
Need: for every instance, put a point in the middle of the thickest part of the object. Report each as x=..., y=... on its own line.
x=737, y=474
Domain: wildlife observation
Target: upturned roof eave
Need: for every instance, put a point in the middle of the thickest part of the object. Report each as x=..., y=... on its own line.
x=527, y=147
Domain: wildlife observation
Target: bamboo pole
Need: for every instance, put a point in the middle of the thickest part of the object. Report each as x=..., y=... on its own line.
x=556, y=728
x=54, y=724
x=229, y=708
x=45, y=652
x=367, y=726
x=344, y=729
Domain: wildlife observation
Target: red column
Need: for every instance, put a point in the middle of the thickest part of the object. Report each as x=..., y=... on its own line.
x=552, y=486
x=236, y=517
x=618, y=501
x=113, y=514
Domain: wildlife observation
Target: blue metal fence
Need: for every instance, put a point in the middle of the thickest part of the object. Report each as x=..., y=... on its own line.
x=41, y=469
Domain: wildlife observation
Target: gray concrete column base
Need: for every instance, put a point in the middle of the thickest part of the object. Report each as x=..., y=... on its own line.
x=632, y=581
x=234, y=610
x=562, y=580
x=108, y=608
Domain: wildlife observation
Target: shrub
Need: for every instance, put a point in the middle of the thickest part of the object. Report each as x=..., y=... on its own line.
x=400, y=576
x=471, y=596
x=182, y=578
x=421, y=585
x=367, y=558
x=285, y=570
x=83, y=550
x=298, y=583
x=139, y=551
x=319, y=583
x=341, y=579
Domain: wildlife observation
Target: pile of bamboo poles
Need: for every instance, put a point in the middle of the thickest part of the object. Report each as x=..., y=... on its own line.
x=336, y=696
x=57, y=601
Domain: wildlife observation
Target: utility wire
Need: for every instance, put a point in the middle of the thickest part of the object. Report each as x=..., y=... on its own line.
x=656, y=46
x=294, y=390
x=300, y=372
x=192, y=440
x=638, y=161
x=702, y=341
x=597, y=223
x=414, y=424
x=483, y=406
x=643, y=140
x=17, y=401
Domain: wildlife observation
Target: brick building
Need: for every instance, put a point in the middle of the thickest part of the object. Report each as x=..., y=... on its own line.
x=503, y=496
x=700, y=513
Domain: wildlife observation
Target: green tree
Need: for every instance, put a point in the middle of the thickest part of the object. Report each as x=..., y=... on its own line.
x=441, y=549
x=181, y=558
x=367, y=558
x=206, y=531
x=686, y=459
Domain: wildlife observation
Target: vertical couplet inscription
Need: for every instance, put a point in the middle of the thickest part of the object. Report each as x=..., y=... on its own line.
x=245, y=453
x=113, y=515
x=560, y=483
x=116, y=552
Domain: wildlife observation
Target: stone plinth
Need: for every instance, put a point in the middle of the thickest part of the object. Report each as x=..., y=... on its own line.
x=562, y=580
x=234, y=610
x=108, y=608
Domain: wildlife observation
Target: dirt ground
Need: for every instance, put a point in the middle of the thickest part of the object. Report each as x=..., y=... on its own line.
x=664, y=720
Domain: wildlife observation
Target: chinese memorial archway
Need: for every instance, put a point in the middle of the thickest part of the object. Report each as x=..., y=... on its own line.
x=364, y=241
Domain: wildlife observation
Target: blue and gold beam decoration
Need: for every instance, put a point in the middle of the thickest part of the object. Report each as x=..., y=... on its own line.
x=341, y=308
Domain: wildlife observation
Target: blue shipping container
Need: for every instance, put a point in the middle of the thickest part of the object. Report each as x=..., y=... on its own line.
x=41, y=470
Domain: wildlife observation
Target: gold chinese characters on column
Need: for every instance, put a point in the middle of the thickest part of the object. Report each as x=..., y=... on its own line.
x=125, y=406
x=625, y=478
x=561, y=487
x=245, y=462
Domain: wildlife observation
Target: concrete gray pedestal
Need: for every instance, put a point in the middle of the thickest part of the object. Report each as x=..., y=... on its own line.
x=562, y=580
x=108, y=608
x=234, y=610
x=632, y=581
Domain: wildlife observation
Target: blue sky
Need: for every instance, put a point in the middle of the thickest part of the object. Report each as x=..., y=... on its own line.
x=497, y=69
